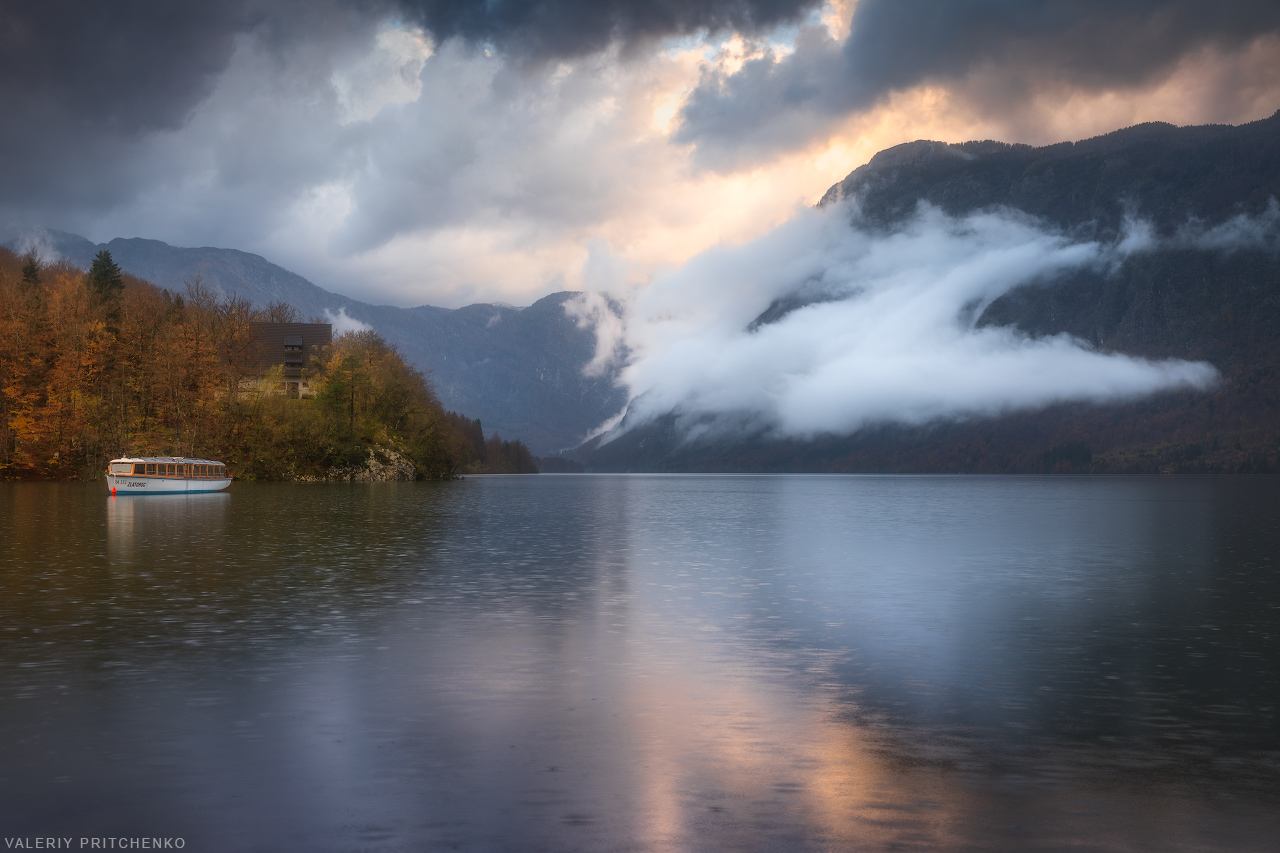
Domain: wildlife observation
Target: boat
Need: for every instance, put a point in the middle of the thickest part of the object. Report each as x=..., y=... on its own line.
x=165, y=475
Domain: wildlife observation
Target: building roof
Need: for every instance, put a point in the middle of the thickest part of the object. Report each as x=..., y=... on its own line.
x=270, y=340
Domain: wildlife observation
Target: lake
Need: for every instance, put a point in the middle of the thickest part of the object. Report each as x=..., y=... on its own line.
x=646, y=663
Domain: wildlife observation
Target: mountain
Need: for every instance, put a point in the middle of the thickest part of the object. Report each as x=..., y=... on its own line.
x=519, y=370
x=1186, y=299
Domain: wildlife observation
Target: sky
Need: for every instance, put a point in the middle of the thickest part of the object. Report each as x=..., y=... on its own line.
x=454, y=151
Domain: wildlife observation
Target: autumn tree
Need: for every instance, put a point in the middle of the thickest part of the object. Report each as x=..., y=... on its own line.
x=102, y=364
x=279, y=312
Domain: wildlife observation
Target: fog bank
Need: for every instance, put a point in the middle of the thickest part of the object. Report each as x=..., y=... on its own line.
x=824, y=326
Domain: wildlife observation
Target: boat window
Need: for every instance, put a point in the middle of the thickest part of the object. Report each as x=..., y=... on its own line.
x=139, y=468
x=151, y=468
x=121, y=467
x=171, y=469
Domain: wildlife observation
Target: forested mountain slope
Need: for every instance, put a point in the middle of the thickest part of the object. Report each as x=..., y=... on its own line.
x=1194, y=293
x=516, y=369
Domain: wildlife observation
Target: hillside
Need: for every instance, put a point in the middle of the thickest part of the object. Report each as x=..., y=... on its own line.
x=1183, y=299
x=516, y=369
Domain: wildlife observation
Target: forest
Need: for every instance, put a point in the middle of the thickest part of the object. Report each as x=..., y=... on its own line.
x=100, y=364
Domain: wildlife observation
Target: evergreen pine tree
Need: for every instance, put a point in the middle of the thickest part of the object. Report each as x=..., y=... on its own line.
x=31, y=272
x=104, y=277
x=106, y=283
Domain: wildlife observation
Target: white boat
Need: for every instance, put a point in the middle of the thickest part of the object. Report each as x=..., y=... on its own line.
x=165, y=475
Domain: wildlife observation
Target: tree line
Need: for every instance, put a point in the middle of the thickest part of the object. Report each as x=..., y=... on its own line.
x=100, y=364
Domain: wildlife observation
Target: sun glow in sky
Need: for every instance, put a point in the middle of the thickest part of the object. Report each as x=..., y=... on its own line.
x=396, y=154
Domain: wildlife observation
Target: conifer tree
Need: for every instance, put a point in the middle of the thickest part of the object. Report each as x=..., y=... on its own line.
x=104, y=277
x=107, y=284
x=30, y=272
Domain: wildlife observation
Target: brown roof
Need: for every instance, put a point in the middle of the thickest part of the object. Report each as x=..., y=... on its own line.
x=271, y=340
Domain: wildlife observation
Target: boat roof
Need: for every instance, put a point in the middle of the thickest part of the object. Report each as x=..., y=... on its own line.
x=182, y=459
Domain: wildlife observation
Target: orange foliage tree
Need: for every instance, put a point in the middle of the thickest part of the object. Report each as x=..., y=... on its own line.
x=102, y=364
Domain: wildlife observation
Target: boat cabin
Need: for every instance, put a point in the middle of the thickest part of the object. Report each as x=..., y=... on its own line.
x=170, y=466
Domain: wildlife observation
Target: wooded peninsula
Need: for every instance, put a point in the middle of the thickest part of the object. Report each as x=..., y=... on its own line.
x=101, y=364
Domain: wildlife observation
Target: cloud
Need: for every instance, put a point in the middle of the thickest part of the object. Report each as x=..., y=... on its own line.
x=38, y=242
x=1016, y=48
x=557, y=29
x=388, y=75
x=342, y=323
x=454, y=152
x=822, y=327
x=493, y=183
x=79, y=82
x=1238, y=232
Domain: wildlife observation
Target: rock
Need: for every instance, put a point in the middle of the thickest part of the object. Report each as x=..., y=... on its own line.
x=384, y=465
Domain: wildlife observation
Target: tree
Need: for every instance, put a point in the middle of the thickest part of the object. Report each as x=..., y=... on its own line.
x=106, y=284
x=280, y=312
x=105, y=278
x=30, y=272
x=78, y=387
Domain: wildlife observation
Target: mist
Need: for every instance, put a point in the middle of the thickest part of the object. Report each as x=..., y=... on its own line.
x=343, y=323
x=826, y=326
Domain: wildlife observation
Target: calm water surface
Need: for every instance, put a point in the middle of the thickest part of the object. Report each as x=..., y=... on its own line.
x=646, y=663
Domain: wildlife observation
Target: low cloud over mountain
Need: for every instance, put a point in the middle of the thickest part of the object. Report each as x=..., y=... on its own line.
x=974, y=284
x=884, y=329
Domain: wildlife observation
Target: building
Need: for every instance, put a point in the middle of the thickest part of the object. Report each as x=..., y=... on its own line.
x=289, y=346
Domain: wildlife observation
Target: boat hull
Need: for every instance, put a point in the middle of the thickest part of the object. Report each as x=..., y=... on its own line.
x=130, y=484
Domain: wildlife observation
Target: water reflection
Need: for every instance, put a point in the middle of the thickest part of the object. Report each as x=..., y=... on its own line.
x=178, y=520
x=657, y=663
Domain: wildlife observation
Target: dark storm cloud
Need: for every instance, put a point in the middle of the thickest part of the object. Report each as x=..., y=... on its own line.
x=896, y=44
x=565, y=28
x=87, y=89
x=79, y=81
x=84, y=85
x=122, y=66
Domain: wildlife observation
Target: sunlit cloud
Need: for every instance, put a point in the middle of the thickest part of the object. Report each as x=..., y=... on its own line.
x=409, y=158
x=389, y=74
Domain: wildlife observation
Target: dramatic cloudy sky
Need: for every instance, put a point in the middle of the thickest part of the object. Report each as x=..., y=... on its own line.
x=450, y=151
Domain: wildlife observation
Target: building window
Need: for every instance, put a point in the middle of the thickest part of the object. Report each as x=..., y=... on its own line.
x=293, y=352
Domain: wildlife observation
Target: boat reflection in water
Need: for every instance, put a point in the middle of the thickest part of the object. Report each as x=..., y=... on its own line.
x=164, y=520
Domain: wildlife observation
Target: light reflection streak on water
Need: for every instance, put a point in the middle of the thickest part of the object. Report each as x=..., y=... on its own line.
x=662, y=663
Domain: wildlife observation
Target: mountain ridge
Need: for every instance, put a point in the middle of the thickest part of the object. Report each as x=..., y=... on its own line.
x=1175, y=301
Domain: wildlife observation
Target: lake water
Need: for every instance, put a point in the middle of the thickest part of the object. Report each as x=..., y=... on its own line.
x=646, y=663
